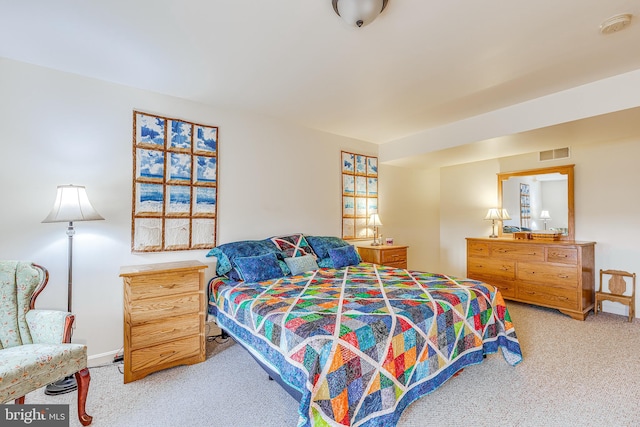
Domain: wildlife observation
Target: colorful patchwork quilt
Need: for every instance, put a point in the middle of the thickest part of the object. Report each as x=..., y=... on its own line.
x=363, y=342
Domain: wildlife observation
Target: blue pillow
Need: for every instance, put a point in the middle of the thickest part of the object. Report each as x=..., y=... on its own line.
x=228, y=252
x=301, y=264
x=258, y=268
x=223, y=264
x=322, y=244
x=344, y=256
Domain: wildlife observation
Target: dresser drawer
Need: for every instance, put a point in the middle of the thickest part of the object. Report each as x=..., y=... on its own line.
x=172, y=351
x=562, y=255
x=476, y=249
x=553, y=297
x=389, y=256
x=518, y=252
x=159, y=308
x=491, y=267
x=152, y=285
x=506, y=287
x=167, y=329
x=550, y=275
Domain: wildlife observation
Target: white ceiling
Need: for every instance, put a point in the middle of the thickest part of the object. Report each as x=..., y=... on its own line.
x=421, y=64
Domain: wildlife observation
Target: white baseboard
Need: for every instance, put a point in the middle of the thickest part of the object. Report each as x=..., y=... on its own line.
x=102, y=358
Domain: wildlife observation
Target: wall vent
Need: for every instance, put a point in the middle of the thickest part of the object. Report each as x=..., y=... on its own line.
x=558, y=153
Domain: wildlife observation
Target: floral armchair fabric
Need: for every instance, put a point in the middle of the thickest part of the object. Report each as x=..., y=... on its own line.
x=34, y=344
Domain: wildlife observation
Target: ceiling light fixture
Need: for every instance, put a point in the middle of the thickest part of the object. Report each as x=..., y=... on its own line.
x=615, y=23
x=359, y=13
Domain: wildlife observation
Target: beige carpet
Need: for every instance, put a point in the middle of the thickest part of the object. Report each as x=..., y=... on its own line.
x=573, y=373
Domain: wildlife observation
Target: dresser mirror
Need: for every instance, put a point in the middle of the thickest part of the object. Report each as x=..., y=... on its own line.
x=538, y=199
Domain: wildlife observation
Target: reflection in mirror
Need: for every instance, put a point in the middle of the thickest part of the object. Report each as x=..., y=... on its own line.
x=538, y=199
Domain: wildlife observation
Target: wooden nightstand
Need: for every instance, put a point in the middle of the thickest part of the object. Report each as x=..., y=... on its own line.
x=164, y=314
x=389, y=255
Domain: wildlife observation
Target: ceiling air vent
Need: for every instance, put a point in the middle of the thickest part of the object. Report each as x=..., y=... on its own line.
x=558, y=153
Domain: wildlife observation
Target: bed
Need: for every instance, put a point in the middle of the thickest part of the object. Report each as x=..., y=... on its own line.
x=355, y=343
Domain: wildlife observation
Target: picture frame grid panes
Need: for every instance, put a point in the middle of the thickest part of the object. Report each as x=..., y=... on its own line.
x=359, y=194
x=175, y=184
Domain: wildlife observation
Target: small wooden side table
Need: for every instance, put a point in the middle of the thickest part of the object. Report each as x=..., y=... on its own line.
x=389, y=255
x=164, y=316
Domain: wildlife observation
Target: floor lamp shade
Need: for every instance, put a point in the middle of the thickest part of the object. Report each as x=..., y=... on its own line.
x=72, y=204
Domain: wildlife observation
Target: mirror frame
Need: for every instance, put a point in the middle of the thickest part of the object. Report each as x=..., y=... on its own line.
x=564, y=170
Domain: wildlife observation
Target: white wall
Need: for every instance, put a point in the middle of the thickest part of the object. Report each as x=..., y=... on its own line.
x=59, y=128
x=466, y=193
x=410, y=212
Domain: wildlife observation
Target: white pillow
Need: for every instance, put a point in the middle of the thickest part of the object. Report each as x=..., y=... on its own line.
x=301, y=264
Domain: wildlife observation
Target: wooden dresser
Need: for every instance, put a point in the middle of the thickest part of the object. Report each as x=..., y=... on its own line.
x=164, y=316
x=389, y=255
x=552, y=273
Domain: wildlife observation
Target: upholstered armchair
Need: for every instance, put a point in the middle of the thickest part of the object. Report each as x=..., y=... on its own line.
x=35, y=348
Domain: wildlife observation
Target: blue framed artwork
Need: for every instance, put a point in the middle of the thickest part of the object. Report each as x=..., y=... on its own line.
x=175, y=184
x=180, y=135
x=206, y=139
x=359, y=194
x=206, y=170
x=150, y=130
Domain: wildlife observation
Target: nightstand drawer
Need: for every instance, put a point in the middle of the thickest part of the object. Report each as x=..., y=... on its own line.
x=164, y=330
x=393, y=255
x=150, y=357
x=164, y=284
x=163, y=307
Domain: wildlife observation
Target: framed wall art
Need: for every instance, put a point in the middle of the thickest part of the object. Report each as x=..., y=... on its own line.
x=175, y=184
x=525, y=206
x=359, y=194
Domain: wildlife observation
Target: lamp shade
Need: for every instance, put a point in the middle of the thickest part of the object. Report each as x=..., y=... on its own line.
x=72, y=204
x=544, y=215
x=493, y=214
x=374, y=220
x=359, y=13
x=504, y=214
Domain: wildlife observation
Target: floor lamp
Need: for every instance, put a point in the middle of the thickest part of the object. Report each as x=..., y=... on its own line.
x=72, y=204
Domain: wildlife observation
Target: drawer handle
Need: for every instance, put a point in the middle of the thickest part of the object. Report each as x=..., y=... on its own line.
x=560, y=255
x=503, y=268
x=563, y=276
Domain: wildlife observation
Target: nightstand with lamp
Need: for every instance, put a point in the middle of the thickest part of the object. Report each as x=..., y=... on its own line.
x=378, y=253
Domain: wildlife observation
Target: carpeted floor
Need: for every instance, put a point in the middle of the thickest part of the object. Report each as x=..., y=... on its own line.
x=573, y=373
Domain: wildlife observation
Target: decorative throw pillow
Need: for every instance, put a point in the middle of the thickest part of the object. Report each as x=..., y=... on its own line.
x=301, y=264
x=258, y=268
x=325, y=263
x=344, y=256
x=236, y=277
x=322, y=244
x=223, y=264
x=228, y=252
x=293, y=245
